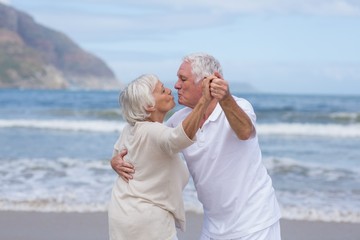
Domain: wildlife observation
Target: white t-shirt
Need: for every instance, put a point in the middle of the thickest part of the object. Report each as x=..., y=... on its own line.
x=231, y=182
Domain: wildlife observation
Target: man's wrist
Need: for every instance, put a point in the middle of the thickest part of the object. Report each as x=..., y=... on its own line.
x=226, y=99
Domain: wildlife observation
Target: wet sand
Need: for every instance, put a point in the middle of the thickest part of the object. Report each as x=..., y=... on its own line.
x=87, y=226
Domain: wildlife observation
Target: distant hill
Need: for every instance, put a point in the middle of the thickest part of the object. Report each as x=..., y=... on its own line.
x=37, y=57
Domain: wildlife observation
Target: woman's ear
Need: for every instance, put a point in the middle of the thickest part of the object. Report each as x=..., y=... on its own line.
x=150, y=108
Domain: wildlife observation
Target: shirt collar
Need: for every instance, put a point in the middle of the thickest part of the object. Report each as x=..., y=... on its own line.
x=215, y=114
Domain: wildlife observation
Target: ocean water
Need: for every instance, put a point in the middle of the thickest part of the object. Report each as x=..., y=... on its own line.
x=55, y=148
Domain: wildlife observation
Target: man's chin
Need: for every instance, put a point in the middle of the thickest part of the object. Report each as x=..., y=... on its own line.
x=181, y=101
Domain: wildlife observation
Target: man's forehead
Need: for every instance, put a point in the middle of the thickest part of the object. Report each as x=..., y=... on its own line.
x=184, y=69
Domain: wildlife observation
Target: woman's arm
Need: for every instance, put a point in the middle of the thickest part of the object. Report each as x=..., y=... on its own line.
x=192, y=122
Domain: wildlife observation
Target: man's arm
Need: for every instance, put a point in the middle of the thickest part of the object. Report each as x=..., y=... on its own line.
x=238, y=119
x=124, y=169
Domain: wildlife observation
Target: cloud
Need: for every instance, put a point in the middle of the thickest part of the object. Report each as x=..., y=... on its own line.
x=5, y=2
x=133, y=19
x=161, y=15
x=127, y=22
x=306, y=7
x=152, y=35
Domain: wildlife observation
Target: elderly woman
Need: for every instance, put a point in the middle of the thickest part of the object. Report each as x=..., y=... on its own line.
x=150, y=206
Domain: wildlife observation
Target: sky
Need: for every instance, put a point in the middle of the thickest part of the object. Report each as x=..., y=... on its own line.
x=277, y=46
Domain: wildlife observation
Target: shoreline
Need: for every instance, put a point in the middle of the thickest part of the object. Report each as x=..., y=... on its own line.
x=21, y=225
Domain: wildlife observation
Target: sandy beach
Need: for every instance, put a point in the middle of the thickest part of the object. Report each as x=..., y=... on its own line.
x=93, y=226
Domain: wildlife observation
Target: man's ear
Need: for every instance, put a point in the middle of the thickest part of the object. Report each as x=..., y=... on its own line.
x=150, y=108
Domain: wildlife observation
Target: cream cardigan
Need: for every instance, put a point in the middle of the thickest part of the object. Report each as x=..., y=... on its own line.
x=149, y=206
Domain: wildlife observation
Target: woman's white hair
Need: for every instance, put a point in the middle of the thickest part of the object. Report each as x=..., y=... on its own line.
x=203, y=65
x=137, y=97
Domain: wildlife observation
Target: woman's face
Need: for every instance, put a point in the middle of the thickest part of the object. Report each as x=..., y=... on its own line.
x=164, y=101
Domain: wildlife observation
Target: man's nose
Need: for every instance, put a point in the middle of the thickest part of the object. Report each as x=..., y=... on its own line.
x=177, y=85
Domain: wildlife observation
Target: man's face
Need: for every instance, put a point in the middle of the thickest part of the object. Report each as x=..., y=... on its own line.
x=189, y=93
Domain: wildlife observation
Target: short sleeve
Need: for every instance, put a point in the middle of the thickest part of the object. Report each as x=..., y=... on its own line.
x=173, y=140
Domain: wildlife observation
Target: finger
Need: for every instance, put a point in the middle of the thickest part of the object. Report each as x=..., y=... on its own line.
x=206, y=88
x=213, y=94
x=123, y=152
x=213, y=79
x=124, y=174
x=215, y=83
x=205, y=83
x=218, y=75
x=205, y=80
x=126, y=169
x=214, y=88
x=127, y=165
x=127, y=176
x=125, y=179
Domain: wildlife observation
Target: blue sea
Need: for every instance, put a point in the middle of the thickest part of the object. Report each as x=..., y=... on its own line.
x=55, y=148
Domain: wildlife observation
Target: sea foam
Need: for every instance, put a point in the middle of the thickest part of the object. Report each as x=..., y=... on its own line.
x=301, y=129
x=307, y=129
x=65, y=125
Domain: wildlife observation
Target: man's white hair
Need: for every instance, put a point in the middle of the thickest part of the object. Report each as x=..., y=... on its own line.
x=203, y=65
